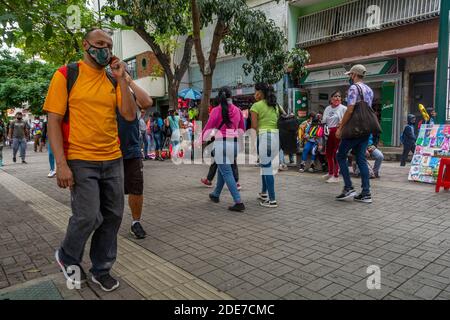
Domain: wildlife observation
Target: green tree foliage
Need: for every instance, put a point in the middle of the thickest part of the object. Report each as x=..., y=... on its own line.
x=159, y=24
x=23, y=81
x=247, y=32
x=40, y=27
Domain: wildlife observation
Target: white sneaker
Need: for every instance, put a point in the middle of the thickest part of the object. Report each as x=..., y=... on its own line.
x=326, y=177
x=283, y=167
x=51, y=174
x=333, y=180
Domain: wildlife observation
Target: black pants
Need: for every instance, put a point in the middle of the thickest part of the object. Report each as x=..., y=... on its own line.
x=406, y=149
x=97, y=208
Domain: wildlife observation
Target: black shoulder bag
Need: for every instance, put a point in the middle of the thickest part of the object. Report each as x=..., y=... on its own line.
x=363, y=122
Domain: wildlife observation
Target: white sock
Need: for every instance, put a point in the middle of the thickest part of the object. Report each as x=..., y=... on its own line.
x=135, y=221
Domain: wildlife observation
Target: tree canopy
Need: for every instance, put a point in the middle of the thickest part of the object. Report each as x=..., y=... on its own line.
x=23, y=81
x=51, y=29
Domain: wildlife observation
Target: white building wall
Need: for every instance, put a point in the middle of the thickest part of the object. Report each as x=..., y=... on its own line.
x=133, y=44
x=155, y=87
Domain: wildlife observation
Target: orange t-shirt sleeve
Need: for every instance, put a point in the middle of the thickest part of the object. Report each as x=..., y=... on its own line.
x=56, y=100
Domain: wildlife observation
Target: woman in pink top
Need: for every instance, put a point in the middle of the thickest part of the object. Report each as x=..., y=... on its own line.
x=226, y=124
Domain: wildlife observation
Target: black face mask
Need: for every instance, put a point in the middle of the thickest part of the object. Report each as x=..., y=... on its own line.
x=19, y=118
x=102, y=56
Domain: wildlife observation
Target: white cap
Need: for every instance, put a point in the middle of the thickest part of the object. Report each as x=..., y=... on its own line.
x=358, y=69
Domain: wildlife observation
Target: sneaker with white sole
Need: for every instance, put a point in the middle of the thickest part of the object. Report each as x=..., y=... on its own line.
x=263, y=196
x=269, y=204
x=326, y=177
x=365, y=198
x=51, y=174
x=346, y=194
x=106, y=282
x=333, y=180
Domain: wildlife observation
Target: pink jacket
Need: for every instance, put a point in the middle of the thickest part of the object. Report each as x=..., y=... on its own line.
x=233, y=130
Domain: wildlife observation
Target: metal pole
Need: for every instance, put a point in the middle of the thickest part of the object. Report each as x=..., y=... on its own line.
x=442, y=72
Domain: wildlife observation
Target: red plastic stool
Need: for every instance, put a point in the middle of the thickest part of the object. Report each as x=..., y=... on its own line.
x=444, y=175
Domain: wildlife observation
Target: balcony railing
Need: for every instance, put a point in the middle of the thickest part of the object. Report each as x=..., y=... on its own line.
x=362, y=16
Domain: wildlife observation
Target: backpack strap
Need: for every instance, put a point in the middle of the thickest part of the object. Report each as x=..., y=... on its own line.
x=361, y=93
x=70, y=72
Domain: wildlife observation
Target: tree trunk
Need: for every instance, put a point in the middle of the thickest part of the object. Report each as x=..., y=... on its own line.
x=207, y=88
x=173, y=95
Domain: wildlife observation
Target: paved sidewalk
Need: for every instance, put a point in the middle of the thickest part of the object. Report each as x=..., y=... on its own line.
x=311, y=247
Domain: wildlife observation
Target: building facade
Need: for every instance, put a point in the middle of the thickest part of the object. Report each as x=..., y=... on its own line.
x=396, y=40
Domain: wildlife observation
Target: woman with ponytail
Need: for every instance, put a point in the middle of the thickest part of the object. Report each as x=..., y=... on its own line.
x=226, y=124
x=265, y=113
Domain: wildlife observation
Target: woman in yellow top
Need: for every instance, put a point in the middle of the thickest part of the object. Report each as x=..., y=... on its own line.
x=265, y=113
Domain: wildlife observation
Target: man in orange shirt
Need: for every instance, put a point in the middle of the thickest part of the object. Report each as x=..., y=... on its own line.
x=83, y=132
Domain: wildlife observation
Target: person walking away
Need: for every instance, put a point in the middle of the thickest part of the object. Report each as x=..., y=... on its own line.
x=83, y=132
x=332, y=118
x=226, y=123
x=131, y=136
x=358, y=91
x=158, y=135
x=18, y=133
x=408, y=139
x=312, y=133
x=264, y=115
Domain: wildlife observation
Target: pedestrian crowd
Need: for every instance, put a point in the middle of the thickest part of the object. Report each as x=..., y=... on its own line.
x=100, y=130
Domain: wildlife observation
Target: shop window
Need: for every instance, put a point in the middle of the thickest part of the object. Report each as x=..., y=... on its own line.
x=144, y=63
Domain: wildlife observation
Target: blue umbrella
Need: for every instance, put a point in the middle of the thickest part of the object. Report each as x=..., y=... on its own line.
x=190, y=93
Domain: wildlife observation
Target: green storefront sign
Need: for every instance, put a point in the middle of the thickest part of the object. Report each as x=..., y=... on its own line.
x=338, y=73
x=387, y=112
x=301, y=103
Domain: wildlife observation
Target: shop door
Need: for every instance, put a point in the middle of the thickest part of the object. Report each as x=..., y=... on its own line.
x=422, y=92
x=387, y=112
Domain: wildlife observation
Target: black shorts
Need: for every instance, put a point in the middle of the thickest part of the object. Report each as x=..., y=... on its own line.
x=133, y=176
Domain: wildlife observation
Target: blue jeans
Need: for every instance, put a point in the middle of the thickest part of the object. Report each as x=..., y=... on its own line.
x=309, y=147
x=143, y=141
x=379, y=157
x=158, y=141
x=19, y=144
x=51, y=157
x=359, y=146
x=226, y=176
x=225, y=153
x=269, y=147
